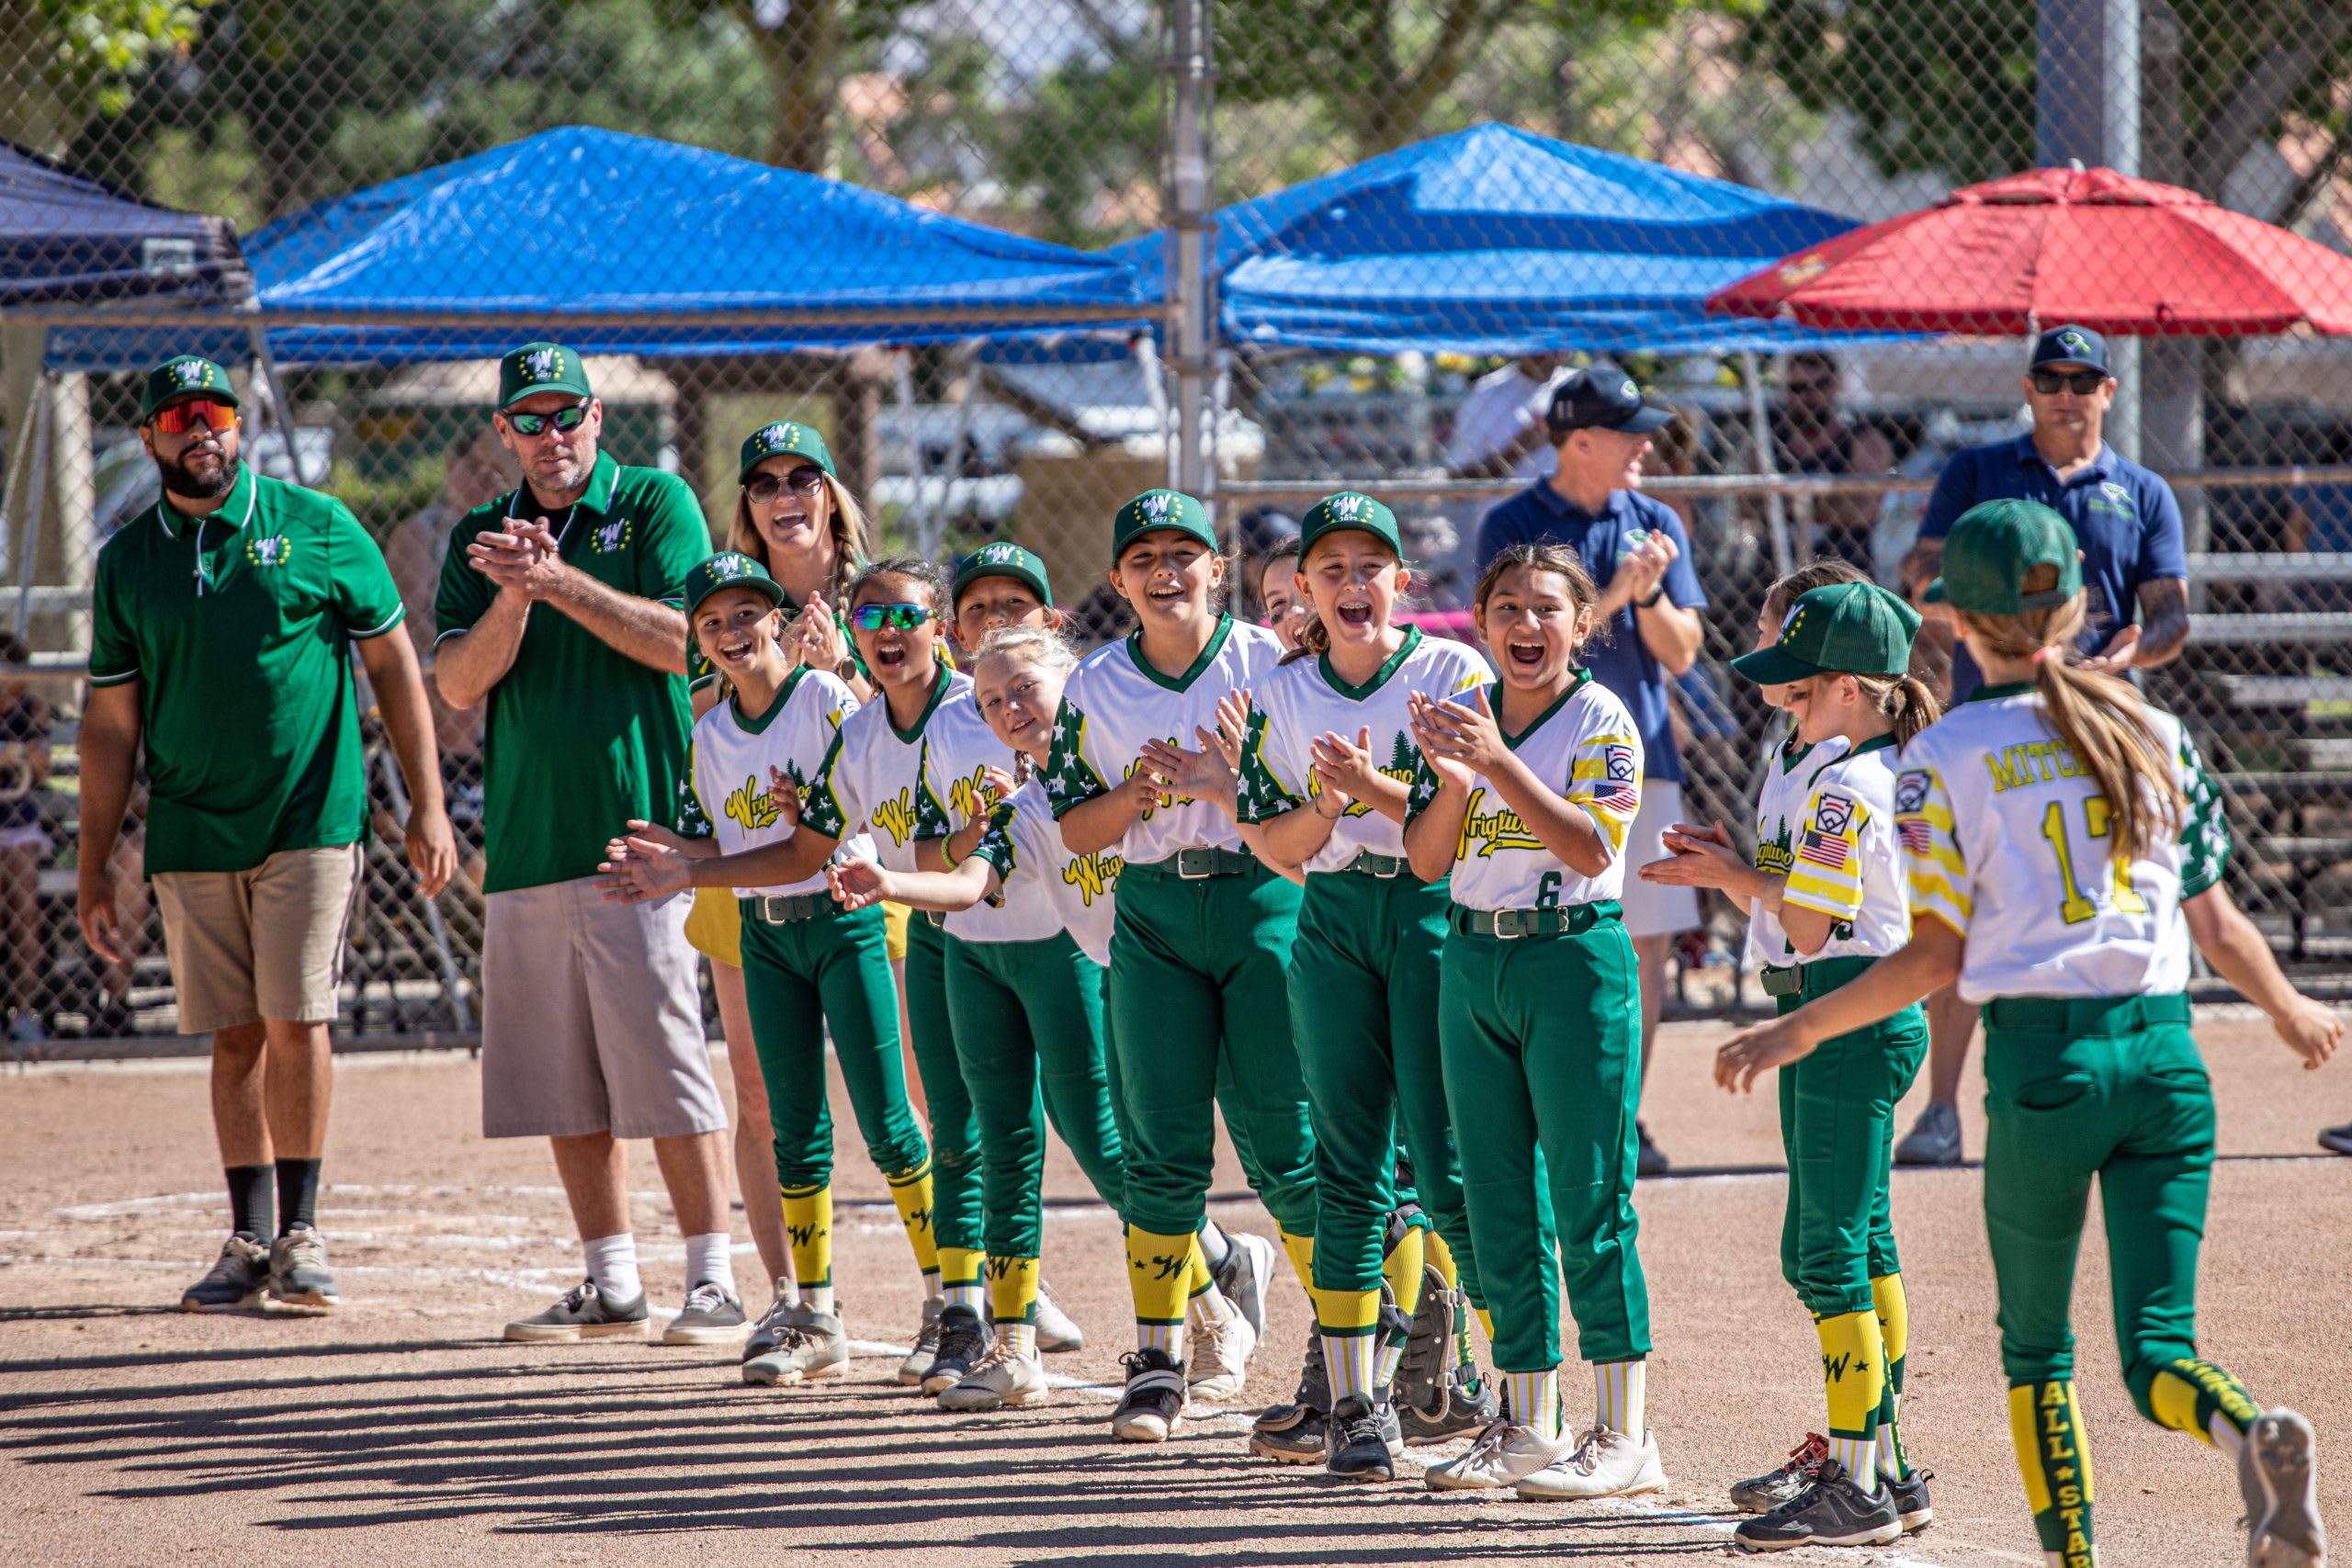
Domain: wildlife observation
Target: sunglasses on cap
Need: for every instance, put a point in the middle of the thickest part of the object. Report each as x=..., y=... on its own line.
x=563, y=419
x=2081, y=383
x=806, y=479
x=889, y=617
x=178, y=419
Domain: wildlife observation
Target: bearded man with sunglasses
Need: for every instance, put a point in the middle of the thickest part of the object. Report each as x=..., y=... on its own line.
x=223, y=620
x=2135, y=573
x=562, y=605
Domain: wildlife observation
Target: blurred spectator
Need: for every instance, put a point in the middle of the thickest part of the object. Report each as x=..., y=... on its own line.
x=2319, y=519
x=479, y=472
x=24, y=841
x=1812, y=435
x=1499, y=430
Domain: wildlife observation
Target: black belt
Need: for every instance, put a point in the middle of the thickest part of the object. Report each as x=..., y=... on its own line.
x=1366, y=863
x=787, y=910
x=1509, y=924
x=1817, y=979
x=1202, y=862
x=2084, y=1015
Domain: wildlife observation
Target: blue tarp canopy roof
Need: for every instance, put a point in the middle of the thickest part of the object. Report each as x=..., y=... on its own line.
x=1497, y=241
x=574, y=229
x=68, y=240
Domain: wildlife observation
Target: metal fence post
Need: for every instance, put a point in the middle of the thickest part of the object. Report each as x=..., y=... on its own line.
x=1191, y=291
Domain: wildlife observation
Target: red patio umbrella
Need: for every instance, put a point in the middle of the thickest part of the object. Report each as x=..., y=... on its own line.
x=2089, y=246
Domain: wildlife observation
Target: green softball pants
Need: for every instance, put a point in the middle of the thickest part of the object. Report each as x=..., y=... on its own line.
x=2111, y=1087
x=1542, y=1038
x=1028, y=1018
x=833, y=971
x=1197, y=983
x=1363, y=1008
x=955, y=1127
x=1837, y=1129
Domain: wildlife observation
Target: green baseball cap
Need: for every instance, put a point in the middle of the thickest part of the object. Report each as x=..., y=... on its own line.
x=785, y=437
x=1155, y=510
x=730, y=569
x=1994, y=548
x=184, y=375
x=1349, y=509
x=1002, y=559
x=540, y=367
x=1846, y=628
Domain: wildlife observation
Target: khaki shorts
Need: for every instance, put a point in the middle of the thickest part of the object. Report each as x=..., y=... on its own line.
x=264, y=943
x=591, y=1018
x=1653, y=909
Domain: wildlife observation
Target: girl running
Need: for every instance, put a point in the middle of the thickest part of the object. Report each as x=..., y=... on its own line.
x=1835, y=904
x=2065, y=847
x=809, y=966
x=1325, y=772
x=1524, y=794
x=1202, y=930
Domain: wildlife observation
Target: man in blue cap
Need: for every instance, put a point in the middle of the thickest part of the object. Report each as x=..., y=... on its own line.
x=2136, y=570
x=1639, y=555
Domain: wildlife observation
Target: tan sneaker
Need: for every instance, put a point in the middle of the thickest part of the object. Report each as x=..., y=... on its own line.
x=1505, y=1454
x=1218, y=1356
x=1000, y=1380
x=584, y=1314
x=917, y=1366
x=813, y=1349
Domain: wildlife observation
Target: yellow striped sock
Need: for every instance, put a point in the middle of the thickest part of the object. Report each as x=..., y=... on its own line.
x=1301, y=1250
x=959, y=1275
x=1440, y=1258
x=912, y=1193
x=1893, y=1309
x=1159, y=1267
x=809, y=1228
x=1012, y=1290
x=1621, y=1397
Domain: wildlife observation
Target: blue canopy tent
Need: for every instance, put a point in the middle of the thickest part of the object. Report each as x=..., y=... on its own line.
x=66, y=239
x=1497, y=241
x=626, y=245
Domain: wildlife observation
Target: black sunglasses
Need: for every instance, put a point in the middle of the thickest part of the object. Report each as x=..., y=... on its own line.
x=1811, y=386
x=2081, y=383
x=803, y=480
x=537, y=424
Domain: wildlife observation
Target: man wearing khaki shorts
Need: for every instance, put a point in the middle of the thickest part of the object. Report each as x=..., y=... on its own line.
x=224, y=621
x=560, y=605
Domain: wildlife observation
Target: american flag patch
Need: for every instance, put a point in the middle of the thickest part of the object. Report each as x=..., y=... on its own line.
x=1619, y=799
x=1822, y=850
x=1917, y=837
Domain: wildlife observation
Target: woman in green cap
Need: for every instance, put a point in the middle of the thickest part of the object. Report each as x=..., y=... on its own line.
x=1833, y=884
x=793, y=517
x=2065, y=847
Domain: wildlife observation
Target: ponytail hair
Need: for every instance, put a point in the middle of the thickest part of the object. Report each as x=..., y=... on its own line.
x=1821, y=571
x=2100, y=718
x=1906, y=699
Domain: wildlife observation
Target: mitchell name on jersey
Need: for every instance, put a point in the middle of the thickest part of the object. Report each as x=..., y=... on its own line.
x=732, y=756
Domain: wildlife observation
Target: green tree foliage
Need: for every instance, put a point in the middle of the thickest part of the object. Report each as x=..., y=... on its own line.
x=66, y=61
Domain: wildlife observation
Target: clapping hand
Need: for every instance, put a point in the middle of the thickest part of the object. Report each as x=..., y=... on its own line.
x=1343, y=769
x=1698, y=857
x=1450, y=769
x=785, y=795
x=641, y=866
x=1461, y=733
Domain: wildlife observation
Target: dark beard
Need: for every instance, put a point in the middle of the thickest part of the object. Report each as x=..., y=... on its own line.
x=178, y=481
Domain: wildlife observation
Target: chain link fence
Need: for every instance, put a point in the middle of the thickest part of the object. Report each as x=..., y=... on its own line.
x=1390, y=329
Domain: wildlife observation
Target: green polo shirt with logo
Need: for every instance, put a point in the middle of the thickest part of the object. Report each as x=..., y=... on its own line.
x=238, y=628
x=581, y=738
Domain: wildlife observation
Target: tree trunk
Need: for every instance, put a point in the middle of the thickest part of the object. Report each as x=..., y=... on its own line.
x=802, y=56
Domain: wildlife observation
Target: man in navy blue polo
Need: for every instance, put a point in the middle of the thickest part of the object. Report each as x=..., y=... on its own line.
x=2135, y=573
x=1639, y=555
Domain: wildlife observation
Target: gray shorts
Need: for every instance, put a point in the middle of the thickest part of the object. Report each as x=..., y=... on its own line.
x=590, y=1021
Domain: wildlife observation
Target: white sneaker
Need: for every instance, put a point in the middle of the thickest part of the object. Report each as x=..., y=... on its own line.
x=2276, y=1474
x=1505, y=1454
x=1056, y=1332
x=1000, y=1380
x=1605, y=1464
x=1218, y=1354
x=1249, y=1272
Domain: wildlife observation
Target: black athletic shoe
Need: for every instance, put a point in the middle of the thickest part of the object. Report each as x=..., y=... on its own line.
x=1152, y=1408
x=1356, y=1441
x=1437, y=1397
x=1833, y=1511
x=1293, y=1433
x=1910, y=1495
x=1762, y=1494
x=963, y=1339
x=236, y=1281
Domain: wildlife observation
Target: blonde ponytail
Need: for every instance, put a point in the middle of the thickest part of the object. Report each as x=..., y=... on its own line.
x=1906, y=699
x=2100, y=718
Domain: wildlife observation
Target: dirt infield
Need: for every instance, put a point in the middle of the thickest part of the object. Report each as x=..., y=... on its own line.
x=400, y=1430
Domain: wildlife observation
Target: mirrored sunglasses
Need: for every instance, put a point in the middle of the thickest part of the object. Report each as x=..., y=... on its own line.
x=891, y=617
x=179, y=418
x=563, y=419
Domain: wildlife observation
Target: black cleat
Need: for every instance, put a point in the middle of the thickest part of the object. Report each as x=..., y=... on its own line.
x=236, y=1281
x=963, y=1340
x=1293, y=1433
x=1356, y=1441
x=1833, y=1511
x=1152, y=1408
x=1910, y=1495
x=1762, y=1494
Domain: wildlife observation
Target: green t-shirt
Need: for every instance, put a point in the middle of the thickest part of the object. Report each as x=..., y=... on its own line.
x=238, y=628
x=581, y=738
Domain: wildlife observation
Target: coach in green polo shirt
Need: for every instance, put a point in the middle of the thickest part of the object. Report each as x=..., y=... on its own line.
x=224, y=618
x=561, y=604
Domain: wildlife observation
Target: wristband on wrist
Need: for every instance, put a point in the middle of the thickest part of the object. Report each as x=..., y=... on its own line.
x=1651, y=603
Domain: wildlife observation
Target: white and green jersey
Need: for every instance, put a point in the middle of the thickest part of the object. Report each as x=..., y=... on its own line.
x=1789, y=770
x=1305, y=699
x=1115, y=701
x=1846, y=860
x=956, y=760
x=874, y=777
x=1044, y=887
x=732, y=754
x=2006, y=839
x=1586, y=749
